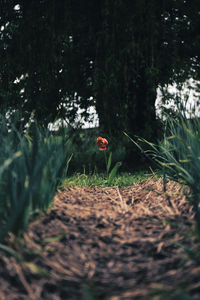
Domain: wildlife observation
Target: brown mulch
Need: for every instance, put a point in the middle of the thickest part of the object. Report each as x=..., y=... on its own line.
x=106, y=243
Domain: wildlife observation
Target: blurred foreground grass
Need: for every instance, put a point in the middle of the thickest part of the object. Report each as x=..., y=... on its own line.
x=32, y=164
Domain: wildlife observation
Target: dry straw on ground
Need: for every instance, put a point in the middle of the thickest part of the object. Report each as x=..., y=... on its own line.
x=121, y=243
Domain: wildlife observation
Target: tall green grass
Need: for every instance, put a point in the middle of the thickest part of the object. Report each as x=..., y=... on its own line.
x=178, y=155
x=32, y=165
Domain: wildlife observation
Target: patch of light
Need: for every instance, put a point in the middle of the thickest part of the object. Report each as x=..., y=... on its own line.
x=16, y=80
x=22, y=77
x=21, y=91
x=17, y=7
x=188, y=95
x=93, y=120
x=56, y=125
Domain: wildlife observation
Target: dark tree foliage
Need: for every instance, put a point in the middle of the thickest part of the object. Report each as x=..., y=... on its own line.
x=33, y=52
x=117, y=52
x=143, y=44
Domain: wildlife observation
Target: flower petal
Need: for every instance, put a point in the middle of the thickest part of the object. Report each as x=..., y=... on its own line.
x=102, y=143
x=102, y=148
x=99, y=141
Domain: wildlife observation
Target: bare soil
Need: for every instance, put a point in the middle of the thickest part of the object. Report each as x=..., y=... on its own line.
x=106, y=243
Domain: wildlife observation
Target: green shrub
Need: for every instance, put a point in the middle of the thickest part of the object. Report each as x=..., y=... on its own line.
x=32, y=164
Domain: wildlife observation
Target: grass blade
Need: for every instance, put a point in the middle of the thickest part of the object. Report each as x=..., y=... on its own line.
x=109, y=162
x=113, y=172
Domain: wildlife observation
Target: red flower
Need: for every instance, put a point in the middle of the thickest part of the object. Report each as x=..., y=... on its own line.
x=102, y=143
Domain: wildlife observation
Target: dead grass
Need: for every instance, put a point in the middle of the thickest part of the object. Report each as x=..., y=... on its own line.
x=117, y=243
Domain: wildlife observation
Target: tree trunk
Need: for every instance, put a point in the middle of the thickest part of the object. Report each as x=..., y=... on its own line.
x=141, y=113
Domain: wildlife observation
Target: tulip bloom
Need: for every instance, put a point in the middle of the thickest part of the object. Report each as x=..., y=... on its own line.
x=102, y=143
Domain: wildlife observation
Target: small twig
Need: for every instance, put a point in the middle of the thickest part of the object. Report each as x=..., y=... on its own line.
x=154, y=174
x=123, y=203
x=24, y=281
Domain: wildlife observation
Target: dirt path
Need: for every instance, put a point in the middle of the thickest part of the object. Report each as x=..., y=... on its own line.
x=106, y=243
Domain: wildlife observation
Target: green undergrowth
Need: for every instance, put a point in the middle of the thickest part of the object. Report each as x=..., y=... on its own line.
x=122, y=179
x=33, y=163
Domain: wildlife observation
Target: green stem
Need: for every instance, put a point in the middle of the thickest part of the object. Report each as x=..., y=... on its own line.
x=106, y=162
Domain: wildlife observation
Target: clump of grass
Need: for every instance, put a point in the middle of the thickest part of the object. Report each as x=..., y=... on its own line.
x=32, y=164
x=178, y=156
x=122, y=179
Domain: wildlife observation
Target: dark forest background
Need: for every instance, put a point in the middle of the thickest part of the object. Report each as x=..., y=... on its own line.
x=112, y=55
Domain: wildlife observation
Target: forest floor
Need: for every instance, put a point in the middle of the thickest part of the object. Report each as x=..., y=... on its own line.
x=106, y=243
